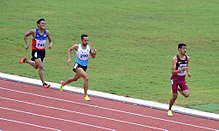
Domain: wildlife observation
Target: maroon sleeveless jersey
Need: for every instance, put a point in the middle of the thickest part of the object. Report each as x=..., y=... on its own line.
x=179, y=65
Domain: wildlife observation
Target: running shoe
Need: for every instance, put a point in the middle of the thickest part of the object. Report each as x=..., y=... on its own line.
x=22, y=60
x=86, y=98
x=61, y=85
x=170, y=113
x=45, y=85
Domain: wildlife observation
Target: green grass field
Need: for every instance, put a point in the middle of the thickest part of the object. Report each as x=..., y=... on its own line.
x=136, y=41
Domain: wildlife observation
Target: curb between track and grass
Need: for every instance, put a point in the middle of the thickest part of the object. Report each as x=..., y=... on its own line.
x=123, y=99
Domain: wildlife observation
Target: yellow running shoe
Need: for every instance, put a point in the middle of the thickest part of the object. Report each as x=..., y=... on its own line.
x=170, y=113
x=86, y=98
x=61, y=86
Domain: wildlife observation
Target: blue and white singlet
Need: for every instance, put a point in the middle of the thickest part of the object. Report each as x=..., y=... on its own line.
x=82, y=55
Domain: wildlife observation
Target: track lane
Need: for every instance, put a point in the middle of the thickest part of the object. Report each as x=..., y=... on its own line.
x=137, y=114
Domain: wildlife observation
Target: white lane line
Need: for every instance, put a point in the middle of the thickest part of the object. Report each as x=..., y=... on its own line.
x=111, y=109
x=60, y=119
x=85, y=114
x=29, y=124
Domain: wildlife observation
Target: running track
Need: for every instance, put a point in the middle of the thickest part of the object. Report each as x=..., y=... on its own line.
x=26, y=107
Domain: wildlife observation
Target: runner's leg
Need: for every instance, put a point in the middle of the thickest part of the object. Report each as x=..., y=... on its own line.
x=85, y=76
x=71, y=79
x=39, y=64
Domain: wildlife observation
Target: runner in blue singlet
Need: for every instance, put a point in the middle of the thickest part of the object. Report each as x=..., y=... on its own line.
x=83, y=52
x=39, y=37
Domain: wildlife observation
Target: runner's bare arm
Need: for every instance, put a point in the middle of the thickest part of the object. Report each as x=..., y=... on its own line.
x=50, y=39
x=73, y=48
x=93, y=52
x=188, y=73
x=26, y=35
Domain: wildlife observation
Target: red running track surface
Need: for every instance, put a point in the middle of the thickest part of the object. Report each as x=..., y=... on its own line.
x=26, y=107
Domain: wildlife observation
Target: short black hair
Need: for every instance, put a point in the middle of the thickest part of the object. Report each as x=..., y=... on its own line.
x=181, y=45
x=83, y=35
x=41, y=19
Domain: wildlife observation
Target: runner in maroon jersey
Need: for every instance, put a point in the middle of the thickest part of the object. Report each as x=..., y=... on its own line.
x=179, y=71
x=40, y=36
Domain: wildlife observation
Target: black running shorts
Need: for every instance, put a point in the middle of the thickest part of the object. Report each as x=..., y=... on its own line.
x=76, y=65
x=38, y=54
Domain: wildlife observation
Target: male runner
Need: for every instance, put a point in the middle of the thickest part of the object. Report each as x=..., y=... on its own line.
x=83, y=52
x=39, y=37
x=179, y=71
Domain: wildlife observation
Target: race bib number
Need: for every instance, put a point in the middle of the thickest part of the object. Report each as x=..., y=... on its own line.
x=182, y=73
x=83, y=55
x=40, y=44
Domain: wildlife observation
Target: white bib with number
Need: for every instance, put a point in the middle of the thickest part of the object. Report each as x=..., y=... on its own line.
x=40, y=44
